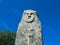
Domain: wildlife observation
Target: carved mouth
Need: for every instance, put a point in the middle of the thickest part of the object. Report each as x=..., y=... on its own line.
x=29, y=18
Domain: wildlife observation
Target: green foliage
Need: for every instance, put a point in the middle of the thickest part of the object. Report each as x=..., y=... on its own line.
x=7, y=37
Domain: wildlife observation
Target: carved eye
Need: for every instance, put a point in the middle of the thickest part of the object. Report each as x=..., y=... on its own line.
x=27, y=13
x=32, y=13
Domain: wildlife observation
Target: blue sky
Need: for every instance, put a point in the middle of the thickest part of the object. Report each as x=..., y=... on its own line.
x=48, y=12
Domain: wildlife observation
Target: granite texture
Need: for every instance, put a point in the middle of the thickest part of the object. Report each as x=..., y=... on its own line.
x=29, y=30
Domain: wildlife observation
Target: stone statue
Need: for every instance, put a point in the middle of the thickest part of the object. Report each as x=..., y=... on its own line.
x=29, y=29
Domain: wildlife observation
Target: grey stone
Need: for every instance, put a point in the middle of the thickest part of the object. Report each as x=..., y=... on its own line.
x=29, y=29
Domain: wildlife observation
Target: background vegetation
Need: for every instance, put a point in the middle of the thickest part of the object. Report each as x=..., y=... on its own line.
x=7, y=37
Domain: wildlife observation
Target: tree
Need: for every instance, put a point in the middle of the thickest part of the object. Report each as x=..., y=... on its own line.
x=7, y=37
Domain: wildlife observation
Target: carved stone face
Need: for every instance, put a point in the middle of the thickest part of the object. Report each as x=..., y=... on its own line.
x=29, y=16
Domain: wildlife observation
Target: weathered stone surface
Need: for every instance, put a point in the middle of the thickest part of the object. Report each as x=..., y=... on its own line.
x=29, y=29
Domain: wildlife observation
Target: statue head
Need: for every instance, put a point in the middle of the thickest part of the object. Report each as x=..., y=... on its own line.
x=29, y=15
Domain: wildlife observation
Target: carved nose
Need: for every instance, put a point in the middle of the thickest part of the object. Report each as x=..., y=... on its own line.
x=29, y=16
